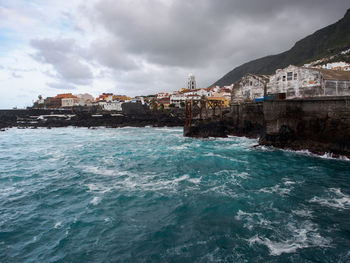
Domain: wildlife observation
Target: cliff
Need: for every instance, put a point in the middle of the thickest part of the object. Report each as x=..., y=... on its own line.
x=324, y=42
x=318, y=125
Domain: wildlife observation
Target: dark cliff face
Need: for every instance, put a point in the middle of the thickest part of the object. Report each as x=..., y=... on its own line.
x=324, y=42
x=320, y=126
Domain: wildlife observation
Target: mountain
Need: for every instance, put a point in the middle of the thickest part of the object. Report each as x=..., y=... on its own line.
x=327, y=41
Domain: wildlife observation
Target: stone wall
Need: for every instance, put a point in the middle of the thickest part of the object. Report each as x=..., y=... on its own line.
x=245, y=119
x=319, y=125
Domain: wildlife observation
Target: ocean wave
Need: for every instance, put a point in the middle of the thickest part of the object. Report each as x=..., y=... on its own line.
x=334, y=198
x=211, y=154
x=304, y=236
x=303, y=213
x=252, y=219
x=150, y=182
x=96, y=200
x=99, y=188
x=168, y=129
x=58, y=224
x=99, y=171
x=282, y=189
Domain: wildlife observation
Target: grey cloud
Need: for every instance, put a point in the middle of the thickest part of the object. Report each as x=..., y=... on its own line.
x=110, y=54
x=61, y=86
x=196, y=33
x=149, y=46
x=66, y=58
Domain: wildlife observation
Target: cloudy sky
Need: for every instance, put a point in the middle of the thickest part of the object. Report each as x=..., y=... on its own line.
x=140, y=47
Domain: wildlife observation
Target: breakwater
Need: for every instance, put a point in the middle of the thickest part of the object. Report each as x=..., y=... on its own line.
x=320, y=125
x=133, y=114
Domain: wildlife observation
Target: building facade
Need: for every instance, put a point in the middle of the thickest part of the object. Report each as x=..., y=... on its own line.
x=249, y=87
x=111, y=105
x=301, y=82
x=67, y=102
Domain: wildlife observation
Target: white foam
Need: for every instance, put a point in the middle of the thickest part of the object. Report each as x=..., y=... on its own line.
x=96, y=200
x=243, y=175
x=58, y=224
x=195, y=180
x=303, y=213
x=329, y=156
x=303, y=237
x=99, y=171
x=251, y=219
x=277, y=189
x=210, y=154
x=288, y=182
x=282, y=189
x=99, y=188
x=7, y=191
x=167, y=129
x=265, y=148
x=181, y=147
x=334, y=199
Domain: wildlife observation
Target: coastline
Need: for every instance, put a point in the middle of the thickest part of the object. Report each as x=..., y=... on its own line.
x=54, y=119
x=320, y=126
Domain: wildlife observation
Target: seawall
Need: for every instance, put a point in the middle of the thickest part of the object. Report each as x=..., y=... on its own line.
x=245, y=119
x=319, y=125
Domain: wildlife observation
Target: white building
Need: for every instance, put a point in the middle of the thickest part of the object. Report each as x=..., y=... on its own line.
x=162, y=95
x=85, y=97
x=337, y=66
x=249, y=87
x=191, y=83
x=177, y=99
x=300, y=82
x=67, y=102
x=111, y=105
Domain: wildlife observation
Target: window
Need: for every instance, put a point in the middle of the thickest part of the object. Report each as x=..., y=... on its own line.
x=289, y=75
x=295, y=76
x=251, y=83
x=284, y=78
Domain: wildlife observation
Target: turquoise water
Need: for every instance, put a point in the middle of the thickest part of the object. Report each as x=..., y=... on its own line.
x=151, y=195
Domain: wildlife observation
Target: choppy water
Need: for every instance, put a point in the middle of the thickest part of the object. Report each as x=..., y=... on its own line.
x=150, y=195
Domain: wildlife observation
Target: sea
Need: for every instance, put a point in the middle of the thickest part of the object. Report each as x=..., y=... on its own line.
x=152, y=195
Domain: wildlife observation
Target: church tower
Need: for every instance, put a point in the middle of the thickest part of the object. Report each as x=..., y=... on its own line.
x=191, y=84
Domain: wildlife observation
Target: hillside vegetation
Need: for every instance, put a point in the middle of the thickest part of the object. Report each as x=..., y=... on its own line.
x=324, y=42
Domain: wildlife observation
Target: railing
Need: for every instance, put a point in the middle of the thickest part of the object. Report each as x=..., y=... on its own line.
x=204, y=107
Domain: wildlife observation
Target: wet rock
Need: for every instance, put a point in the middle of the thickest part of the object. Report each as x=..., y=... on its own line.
x=205, y=129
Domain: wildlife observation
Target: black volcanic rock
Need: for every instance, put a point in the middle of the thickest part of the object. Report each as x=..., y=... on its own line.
x=324, y=42
x=134, y=109
x=205, y=129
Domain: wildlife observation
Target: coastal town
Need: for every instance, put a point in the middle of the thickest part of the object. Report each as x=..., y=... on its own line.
x=174, y=131
x=161, y=100
x=320, y=78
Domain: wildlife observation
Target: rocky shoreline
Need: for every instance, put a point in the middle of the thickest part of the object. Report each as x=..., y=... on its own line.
x=134, y=116
x=319, y=125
